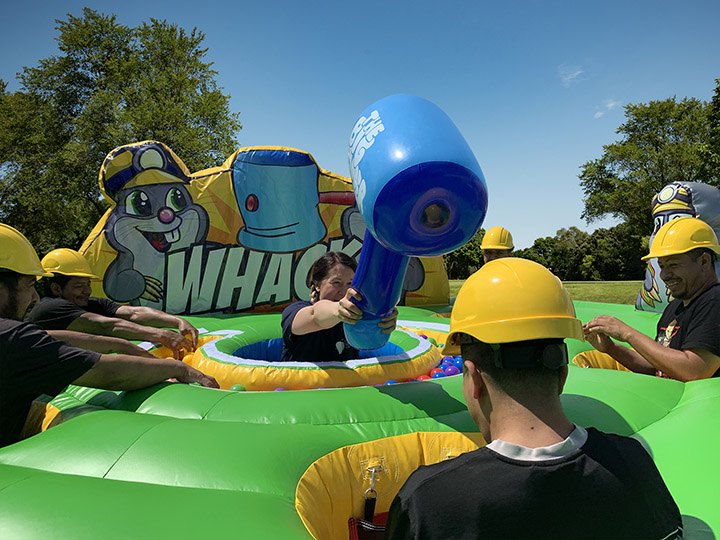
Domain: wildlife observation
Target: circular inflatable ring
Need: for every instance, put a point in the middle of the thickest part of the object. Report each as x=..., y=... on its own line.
x=406, y=356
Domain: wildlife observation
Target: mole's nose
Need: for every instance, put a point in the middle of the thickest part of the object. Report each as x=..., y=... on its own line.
x=166, y=215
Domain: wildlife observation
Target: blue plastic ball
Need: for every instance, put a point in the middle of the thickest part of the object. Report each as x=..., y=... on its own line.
x=438, y=375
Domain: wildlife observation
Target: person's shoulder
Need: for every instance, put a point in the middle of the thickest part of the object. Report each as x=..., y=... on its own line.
x=9, y=325
x=50, y=304
x=425, y=476
x=612, y=444
x=712, y=294
x=12, y=331
x=104, y=304
x=293, y=308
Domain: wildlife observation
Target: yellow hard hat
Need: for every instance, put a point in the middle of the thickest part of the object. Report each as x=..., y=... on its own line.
x=511, y=300
x=67, y=262
x=17, y=253
x=497, y=238
x=682, y=235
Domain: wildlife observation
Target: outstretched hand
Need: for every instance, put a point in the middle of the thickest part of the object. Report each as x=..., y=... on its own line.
x=192, y=375
x=177, y=343
x=599, y=331
x=188, y=330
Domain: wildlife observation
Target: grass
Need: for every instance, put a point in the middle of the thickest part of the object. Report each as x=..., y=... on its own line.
x=611, y=292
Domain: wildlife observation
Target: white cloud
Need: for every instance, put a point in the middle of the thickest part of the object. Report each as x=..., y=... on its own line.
x=570, y=74
x=608, y=105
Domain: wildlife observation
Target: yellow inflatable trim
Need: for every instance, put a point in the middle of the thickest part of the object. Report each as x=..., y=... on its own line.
x=596, y=359
x=332, y=489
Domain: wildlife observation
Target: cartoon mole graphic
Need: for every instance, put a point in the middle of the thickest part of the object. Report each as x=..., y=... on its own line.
x=154, y=214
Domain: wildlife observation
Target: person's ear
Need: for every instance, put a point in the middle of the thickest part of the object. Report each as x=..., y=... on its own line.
x=478, y=384
x=563, y=378
x=56, y=289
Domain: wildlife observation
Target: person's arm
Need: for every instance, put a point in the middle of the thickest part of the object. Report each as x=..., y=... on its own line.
x=101, y=344
x=325, y=314
x=649, y=355
x=147, y=316
x=92, y=323
x=125, y=372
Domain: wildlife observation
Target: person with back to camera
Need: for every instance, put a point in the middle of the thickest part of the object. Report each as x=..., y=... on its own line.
x=540, y=475
x=497, y=244
x=33, y=363
x=312, y=331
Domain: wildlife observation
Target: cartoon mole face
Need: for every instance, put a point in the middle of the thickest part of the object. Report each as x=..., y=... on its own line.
x=162, y=216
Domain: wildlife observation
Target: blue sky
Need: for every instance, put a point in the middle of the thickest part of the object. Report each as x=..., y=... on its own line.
x=536, y=87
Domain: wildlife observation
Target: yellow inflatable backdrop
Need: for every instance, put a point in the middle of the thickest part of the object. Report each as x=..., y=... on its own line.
x=234, y=238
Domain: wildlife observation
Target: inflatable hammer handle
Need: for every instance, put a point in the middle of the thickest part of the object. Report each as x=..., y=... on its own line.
x=379, y=279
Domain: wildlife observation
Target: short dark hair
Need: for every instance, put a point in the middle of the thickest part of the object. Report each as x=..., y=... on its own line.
x=321, y=268
x=44, y=288
x=510, y=380
x=697, y=252
x=9, y=279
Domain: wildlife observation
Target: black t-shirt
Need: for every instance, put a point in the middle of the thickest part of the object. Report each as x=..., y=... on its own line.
x=697, y=326
x=32, y=363
x=323, y=346
x=57, y=313
x=608, y=488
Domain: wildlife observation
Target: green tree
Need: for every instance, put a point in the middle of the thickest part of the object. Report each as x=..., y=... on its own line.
x=108, y=86
x=660, y=143
x=710, y=152
x=464, y=261
x=541, y=251
x=615, y=254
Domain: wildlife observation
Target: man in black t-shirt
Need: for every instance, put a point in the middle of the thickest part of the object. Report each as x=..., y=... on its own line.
x=33, y=363
x=687, y=344
x=69, y=306
x=540, y=475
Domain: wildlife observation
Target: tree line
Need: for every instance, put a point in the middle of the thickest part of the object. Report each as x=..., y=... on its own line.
x=111, y=84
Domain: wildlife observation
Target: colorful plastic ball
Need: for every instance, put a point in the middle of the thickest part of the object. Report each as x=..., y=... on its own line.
x=423, y=336
x=237, y=388
x=423, y=377
x=452, y=370
x=438, y=375
x=280, y=390
x=458, y=362
x=447, y=358
x=436, y=370
x=391, y=382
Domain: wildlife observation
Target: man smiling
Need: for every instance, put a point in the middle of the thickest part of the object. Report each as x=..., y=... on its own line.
x=687, y=345
x=69, y=306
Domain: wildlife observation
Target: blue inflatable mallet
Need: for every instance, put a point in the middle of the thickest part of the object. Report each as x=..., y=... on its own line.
x=421, y=193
